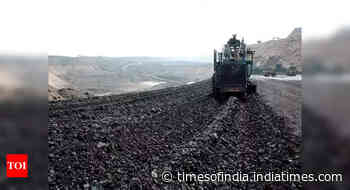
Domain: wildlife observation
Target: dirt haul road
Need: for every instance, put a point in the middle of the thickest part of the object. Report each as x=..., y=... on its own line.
x=129, y=140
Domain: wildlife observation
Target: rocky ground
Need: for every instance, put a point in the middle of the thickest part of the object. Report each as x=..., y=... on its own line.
x=130, y=140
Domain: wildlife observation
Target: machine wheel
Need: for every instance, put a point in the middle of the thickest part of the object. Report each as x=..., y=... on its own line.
x=216, y=92
x=251, y=88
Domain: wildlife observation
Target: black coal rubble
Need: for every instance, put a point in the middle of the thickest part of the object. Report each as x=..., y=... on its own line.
x=116, y=141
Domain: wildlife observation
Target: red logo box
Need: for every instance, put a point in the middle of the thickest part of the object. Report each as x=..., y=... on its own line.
x=17, y=165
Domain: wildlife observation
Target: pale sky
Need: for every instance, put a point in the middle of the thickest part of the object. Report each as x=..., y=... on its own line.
x=166, y=28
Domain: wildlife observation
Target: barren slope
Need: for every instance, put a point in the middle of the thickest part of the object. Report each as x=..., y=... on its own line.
x=285, y=51
x=116, y=75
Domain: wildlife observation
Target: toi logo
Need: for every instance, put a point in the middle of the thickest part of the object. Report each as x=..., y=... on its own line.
x=17, y=165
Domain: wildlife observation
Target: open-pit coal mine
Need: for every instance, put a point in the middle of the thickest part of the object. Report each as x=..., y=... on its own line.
x=128, y=141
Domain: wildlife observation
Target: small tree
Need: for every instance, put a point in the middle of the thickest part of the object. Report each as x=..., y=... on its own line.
x=259, y=41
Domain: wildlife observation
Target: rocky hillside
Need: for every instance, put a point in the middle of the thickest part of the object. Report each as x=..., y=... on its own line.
x=53, y=94
x=283, y=52
x=60, y=89
x=56, y=94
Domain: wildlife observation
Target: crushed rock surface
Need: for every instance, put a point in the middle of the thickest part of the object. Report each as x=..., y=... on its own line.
x=129, y=140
